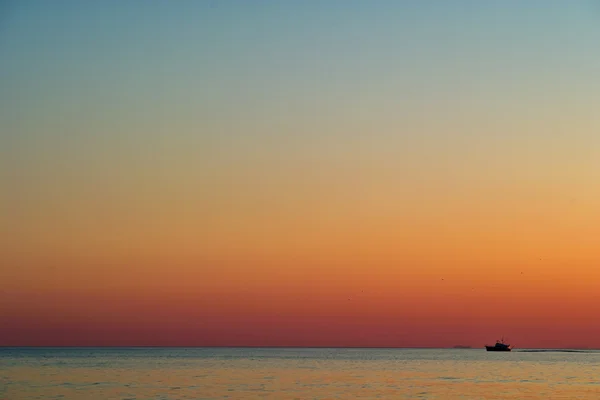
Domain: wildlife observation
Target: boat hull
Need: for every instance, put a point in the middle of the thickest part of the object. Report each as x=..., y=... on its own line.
x=495, y=348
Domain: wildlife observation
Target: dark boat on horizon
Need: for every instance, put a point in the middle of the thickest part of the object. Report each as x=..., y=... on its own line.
x=499, y=346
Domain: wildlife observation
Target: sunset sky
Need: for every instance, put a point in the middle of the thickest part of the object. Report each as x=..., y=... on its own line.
x=300, y=173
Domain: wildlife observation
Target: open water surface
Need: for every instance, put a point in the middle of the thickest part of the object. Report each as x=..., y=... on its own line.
x=235, y=373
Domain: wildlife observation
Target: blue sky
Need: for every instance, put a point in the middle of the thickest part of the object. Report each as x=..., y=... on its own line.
x=126, y=95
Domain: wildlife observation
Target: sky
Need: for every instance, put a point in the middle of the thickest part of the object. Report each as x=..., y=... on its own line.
x=299, y=173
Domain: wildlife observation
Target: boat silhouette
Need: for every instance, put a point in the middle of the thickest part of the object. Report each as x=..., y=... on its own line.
x=499, y=346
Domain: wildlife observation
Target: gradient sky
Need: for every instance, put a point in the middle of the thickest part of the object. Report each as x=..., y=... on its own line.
x=332, y=173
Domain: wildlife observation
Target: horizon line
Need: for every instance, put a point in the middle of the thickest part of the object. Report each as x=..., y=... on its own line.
x=288, y=347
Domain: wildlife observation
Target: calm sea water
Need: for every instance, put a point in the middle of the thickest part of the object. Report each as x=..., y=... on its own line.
x=202, y=373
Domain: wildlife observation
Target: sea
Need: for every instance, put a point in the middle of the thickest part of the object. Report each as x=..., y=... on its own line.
x=293, y=373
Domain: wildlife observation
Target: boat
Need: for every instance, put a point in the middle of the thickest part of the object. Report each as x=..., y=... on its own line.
x=499, y=346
